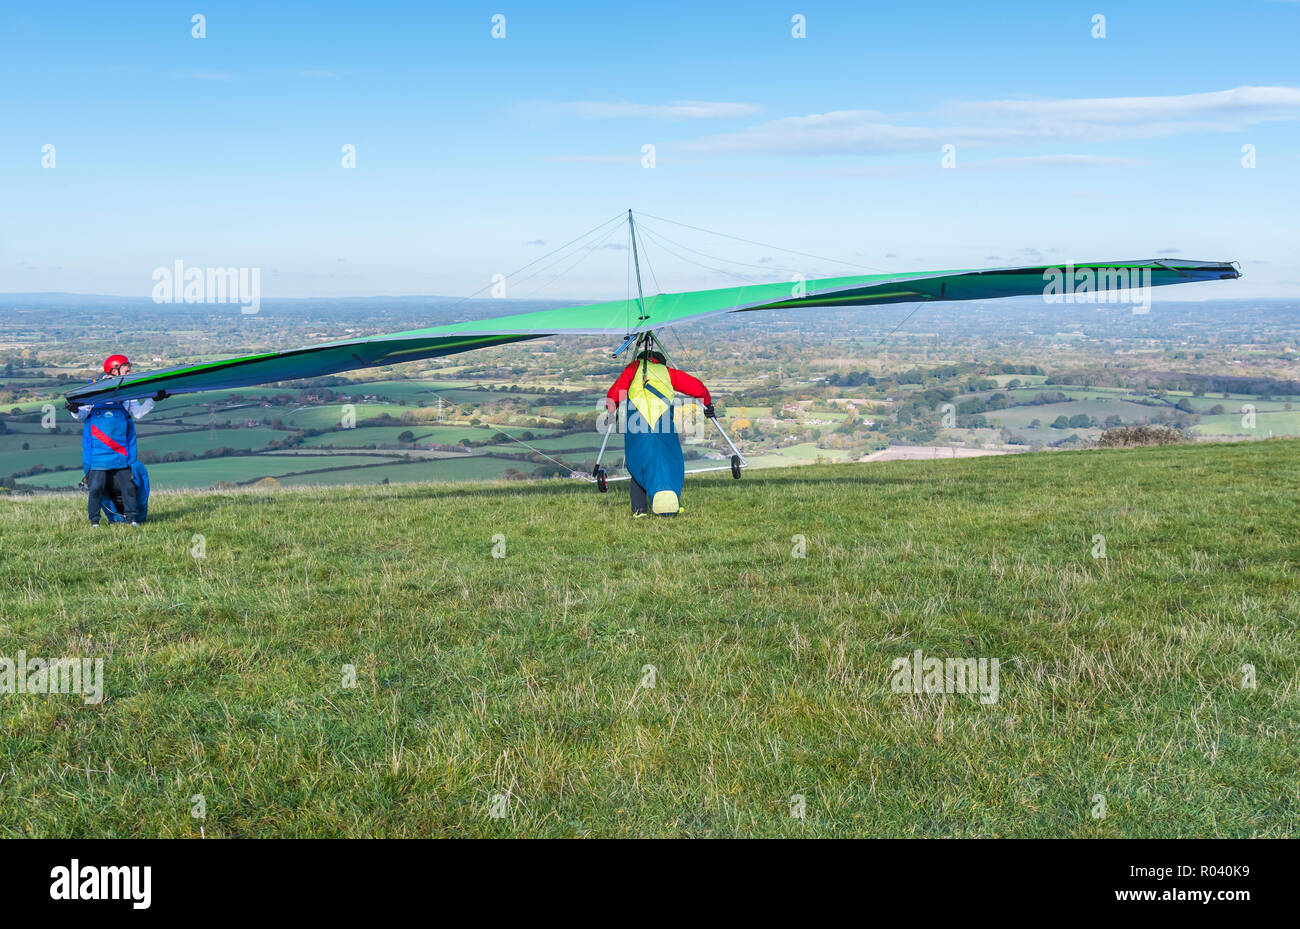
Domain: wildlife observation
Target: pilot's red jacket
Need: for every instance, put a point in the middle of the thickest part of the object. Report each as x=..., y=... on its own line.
x=681, y=381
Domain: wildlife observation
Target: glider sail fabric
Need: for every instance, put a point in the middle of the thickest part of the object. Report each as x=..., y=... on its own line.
x=621, y=318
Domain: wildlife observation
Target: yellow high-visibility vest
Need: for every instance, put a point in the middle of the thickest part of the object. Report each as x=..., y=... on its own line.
x=651, y=391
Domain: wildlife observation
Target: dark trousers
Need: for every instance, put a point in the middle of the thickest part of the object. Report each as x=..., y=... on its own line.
x=639, y=503
x=98, y=482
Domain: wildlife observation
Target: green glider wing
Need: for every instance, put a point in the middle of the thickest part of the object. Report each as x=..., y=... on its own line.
x=621, y=318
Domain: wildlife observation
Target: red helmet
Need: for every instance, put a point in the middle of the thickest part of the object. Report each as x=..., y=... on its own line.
x=112, y=361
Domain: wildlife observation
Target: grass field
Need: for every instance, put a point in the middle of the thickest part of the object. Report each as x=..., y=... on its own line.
x=681, y=677
x=201, y=440
x=330, y=415
x=1280, y=422
x=1102, y=402
x=802, y=453
x=442, y=469
x=209, y=471
x=424, y=433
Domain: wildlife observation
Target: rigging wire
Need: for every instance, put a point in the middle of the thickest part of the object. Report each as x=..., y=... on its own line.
x=589, y=232
x=554, y=251
x=697, y=264
x=905, y=319
x=657, y=236
x=543, y=454
x=587, y=253
x=653, y=276
x=564, y=257
x=746, y=264
x=765, y=245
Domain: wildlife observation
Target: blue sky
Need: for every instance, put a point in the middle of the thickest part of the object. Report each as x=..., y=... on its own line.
x=470, y=151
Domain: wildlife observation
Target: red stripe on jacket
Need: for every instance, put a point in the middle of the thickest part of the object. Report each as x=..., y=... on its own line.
x=681, y=381
x=104, y=437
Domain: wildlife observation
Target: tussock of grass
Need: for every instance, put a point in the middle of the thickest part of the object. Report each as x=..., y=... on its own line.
x=522, y=676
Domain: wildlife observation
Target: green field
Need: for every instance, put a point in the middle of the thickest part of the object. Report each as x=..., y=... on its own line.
x=194, y=424
x=424, y=433
x=364, y=437
x=413, y=390
x=1025, y=379
x=329, y=415
x=1102, y=402
x=199, y=441
x=64, y=451
x=673, y=677
x=1097, y=403
x=51, y=451
x=582, y=441
x=793, y=455
x=440, y=469
x=1268, y=417
x=206, y=472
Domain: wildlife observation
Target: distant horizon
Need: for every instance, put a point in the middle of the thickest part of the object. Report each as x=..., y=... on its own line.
x=584, y=300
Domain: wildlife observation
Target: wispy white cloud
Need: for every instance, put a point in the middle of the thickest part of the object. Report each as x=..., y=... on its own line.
x=680, y=109
x=200, y=75
x=846, y=132
x=1008, y=122
x=595, y=159
x=1050, y=161
x=1223, y=110
x=994, y=164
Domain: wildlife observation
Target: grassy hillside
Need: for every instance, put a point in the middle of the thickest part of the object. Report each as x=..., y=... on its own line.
x=522, y=678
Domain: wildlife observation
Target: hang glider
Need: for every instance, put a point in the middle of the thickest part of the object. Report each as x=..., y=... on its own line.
x=624, y=319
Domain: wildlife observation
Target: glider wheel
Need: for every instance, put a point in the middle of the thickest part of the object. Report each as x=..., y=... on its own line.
x=601, y=484
x=735, y=466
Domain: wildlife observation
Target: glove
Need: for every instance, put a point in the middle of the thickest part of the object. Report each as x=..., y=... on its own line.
x=709, y=411
x=71, y=406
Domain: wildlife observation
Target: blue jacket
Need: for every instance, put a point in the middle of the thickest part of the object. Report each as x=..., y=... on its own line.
x=108, y=438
